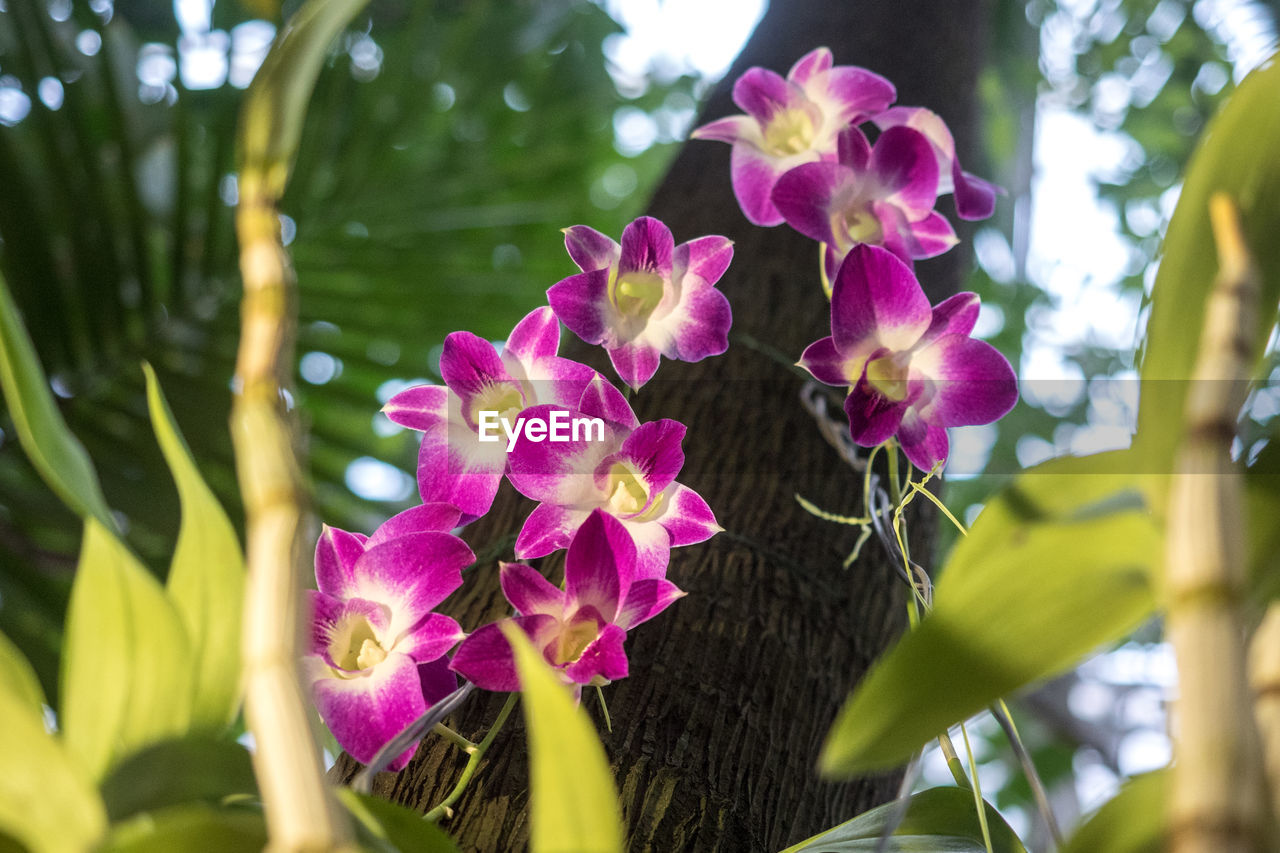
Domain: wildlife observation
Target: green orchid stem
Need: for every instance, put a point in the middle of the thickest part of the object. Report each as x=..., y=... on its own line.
x=953, y=761
x=454, y=738
x=445, y=809
x=1001, y=712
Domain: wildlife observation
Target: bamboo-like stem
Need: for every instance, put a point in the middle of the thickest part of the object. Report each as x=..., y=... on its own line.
x=1217, y=803
x=301, y=814
x=1264, y=678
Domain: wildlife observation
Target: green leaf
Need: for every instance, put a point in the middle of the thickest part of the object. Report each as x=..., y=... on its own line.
x=1130, y=822
x=1036, y=586
x=389, y=825
x=175, y=772
x=52, y=449
x=1262, y=508
x=1237, y=156
x=939, y=820
x=190, y=827
x=574, y=801
x=207, y=576
x=47, y=800
x=126, y=670
x=18, y=678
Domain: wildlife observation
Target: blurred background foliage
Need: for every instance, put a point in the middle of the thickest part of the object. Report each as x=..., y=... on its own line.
x=446, y=145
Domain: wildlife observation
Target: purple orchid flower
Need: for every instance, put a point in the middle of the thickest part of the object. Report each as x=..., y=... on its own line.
x=645, y=298
x=580, y=630
x=454, y=466
x=975, y=198
x=376, y=660
x=882, y=195
x=791, y=121
x=912, y=370
x=629, y=473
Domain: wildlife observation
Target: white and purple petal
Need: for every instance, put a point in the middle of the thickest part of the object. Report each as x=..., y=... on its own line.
x=590, y=249
x=412, y=574
x=654, y=449
x=604, y=658
x=529, y=592
x=805, y=196
x=873, y=418
x=455, y=467
x=366, y=711
x=830, y=366
x=559, y=472
x=635, y=362
x=653, y=547
x=336, y=554
x=699, y=327
x=470, y=364
x=430, y=638
x=810, y=65
x=686, y=516
x=753, y=175
x=762, y=93
x=485, y=657
x=924, y=444
x=548, y=528
x=647, y=246
x=429, y=517
x=955, y=315
x=582, y=303
x=972, y=382
x=420, y=407
x=645, y=600
x=730, y=129
x=536, y=336
x=599, y=565
x=876, y=297
x=907, y=171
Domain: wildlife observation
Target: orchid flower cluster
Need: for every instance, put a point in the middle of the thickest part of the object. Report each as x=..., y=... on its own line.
x=801, y=156
x=605, y=485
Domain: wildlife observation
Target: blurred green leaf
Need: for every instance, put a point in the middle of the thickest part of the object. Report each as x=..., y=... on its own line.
x=52, y=449
x=394, y=826
x=175, y=772
x=1130, y=822
x=1237, y=156
x=1038, y=584
x=47, y=800
x=1262, y=508
x=189, y=828
x=574, y=801
x=939, y=820
x=17, y=677
x=127, y=664
x=206, y=578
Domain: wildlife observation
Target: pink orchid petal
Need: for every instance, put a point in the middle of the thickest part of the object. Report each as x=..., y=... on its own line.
x=469, y=364
x=753, y=174
x=325, y=612
x=559, y=472
x=653, y=548
x=972, y=382
x=548, y=528
x=485, y=657
x=730, y=129
x=412, y=574
x=454, y=467
x=830, y=366
x=430, y=638
x=529, y=592
x=536, y=336
x=805, y=195
x=368, y=710
x=955, y=315
x=975, y=198
x=654, y=449
x=701, y=328
x=853, y=149
x=635, y=362
x=762, y=93
x=604, y=658
x=850, y=94
x=590, y=249
x=599, y=565
x=336, y=554
x=437, y=516
x=810, y=65
x=876, y=297
x=581, y=302
x=601, y=400
x=647, y=246
x=873, y=418
x=905, y=166
x=924, y=444
x=645, y=600
x=705, y=257
x=686, y=516
x=438, y=681
x=931, y=236
x=420, y=407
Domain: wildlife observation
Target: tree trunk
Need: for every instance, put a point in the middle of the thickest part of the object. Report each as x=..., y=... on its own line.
x=732, y=690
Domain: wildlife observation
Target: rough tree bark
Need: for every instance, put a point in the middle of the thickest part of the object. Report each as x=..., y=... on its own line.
x=732, y=690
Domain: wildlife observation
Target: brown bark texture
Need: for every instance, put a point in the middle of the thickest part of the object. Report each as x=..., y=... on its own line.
x=732, y=690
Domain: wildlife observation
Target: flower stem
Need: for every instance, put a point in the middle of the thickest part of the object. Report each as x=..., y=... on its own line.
x=445, y=809
x=454, y=738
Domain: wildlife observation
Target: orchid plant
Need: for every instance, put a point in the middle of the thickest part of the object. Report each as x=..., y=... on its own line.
x=381, y=657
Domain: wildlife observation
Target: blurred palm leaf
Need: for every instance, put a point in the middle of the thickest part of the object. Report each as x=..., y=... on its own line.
x=446, y=145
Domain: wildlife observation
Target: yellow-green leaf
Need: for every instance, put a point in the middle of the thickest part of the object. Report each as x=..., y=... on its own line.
x=195, y=826
x=1036, y=586
x=206, y=577
x=56, y=453
x=47, y=800
x=17, y=676
x=574, y=803
x=1133, y=821
x=127, y=665
x=1236, y=155
x=386, y=824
